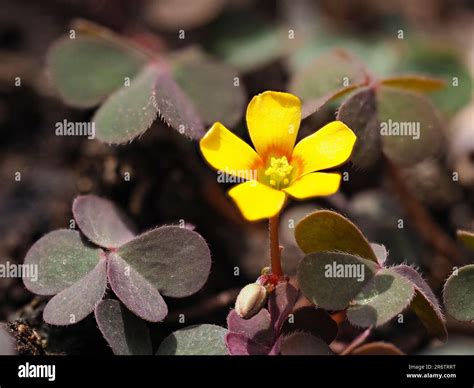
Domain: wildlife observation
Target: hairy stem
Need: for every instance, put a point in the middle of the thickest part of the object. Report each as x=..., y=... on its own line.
x=275, y=251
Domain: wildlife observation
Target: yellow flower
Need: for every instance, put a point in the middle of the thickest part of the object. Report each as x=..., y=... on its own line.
x=277, y=168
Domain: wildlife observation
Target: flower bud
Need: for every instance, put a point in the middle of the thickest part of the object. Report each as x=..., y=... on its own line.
x=250, y=300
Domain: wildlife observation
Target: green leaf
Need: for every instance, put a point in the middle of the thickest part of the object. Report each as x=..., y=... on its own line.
x=197, y=340
x=416, y=83
x=176, y=261
x=377, y=349
x=304, y=344
x=62, y=258
x=330, y=72
x=410, y=113
x=101, y=221
x=359, y=113
x=425, y=304
x=87, y=69
x=325, y=230
x=458, y=294
x=384, y=296
x=315, y=104
x=466, y=237
x=130, y=111
x=209, y=84
x=79, y=300
x=330, y=280
x=124, y=332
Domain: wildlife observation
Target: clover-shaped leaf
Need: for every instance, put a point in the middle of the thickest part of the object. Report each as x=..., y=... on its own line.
x=203, y=340
x=259, y=328
x=87, y=69
x=325, y=230
x=384, y=296
x=170, y=261
x=188, y=90
x=62, y=258
x=412, y=129
x=331, y=280
x=102, y=222
x=124, y=332
x=458, y=292
x=129, y=111
x=304, y=344
x=425, y=304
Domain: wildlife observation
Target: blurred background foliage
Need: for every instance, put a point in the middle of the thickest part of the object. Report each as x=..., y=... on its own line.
x=272, y=45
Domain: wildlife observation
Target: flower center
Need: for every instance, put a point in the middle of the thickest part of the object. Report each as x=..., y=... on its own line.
x=278, y=172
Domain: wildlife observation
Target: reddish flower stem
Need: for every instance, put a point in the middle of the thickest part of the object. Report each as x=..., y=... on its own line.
x=275, y=251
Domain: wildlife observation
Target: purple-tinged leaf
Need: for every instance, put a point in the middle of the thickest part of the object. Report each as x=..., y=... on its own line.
x=331, y=280
x=359, y=113
x=102, y=222
x=377, y=349
x=384, y=296
x=136, y=292
x=7, y=342
x=125, y=333
x=129, y=111
x=311, y=320
x=417, y=83
x=304, y=344
x=425, y=304
x=61, y=258
x=176, y=261
x=197, y=340
x=258, y=328
x=79, y=300
x=356, y=342
x=240, y=345
x=325, y=230
x=175, y=107
x=281, y=303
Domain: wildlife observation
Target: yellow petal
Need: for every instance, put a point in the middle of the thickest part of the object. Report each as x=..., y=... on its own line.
x=316, y=184
x=273, y=120
x=227, y=152
x=329, y=147
x=257, y=201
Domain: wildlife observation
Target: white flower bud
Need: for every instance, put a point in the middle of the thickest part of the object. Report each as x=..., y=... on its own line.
x=250, y=300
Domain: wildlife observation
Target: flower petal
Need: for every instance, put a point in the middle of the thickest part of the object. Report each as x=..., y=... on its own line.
x=257, y=201
x=273, y=120
x=314, y=185
x=329, y=147
x=227, y=152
